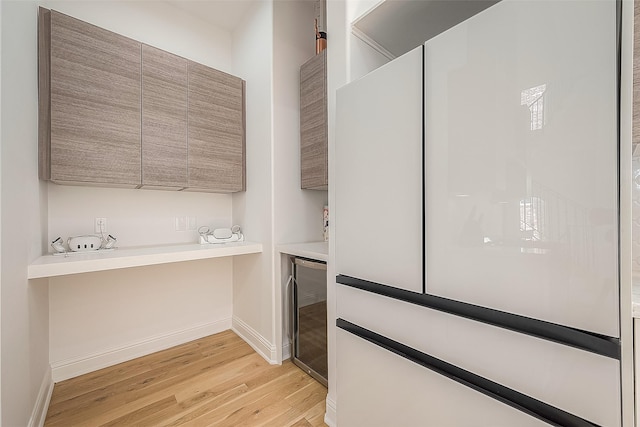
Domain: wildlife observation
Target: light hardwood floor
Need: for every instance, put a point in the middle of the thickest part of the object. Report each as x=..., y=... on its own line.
x=214, y=381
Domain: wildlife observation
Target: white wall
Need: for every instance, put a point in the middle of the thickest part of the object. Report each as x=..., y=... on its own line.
x=158, y=24
x=298, y=213
x=100, y=319
x=357, y=8
x=134, y=217
x=362, y=57
x=253, y=290
x=24, y=305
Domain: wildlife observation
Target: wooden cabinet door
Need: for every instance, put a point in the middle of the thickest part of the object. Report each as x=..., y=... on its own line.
x=216, y=134
x=313, y=123
x=164, y=119
x=95, y=105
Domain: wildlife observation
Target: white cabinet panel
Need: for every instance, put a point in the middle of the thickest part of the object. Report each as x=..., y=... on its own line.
x=379, y=388
x=521, y=162
x=636, y=367
x=579, y=382
x=378, y=209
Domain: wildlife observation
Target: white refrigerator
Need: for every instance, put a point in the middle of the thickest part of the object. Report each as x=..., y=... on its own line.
x=476, y=225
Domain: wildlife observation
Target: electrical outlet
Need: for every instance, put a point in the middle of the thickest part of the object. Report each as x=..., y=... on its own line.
x=191, y=223
x=181, y=223
x=100, y=225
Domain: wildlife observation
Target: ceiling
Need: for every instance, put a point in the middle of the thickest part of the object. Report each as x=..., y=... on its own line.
x=226, y=14
x=396, y=25
x=400, y=25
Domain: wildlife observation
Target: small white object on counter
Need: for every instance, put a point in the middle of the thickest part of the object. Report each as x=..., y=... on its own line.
x=50, y=266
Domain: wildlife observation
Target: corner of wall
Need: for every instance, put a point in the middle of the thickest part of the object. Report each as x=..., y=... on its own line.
x=252, y=337
x=39, y=413
x=330, y=415
x=24, y=310
x=253, y=210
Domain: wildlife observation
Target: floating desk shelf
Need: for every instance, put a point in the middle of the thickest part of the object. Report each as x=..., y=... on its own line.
x=50, y=265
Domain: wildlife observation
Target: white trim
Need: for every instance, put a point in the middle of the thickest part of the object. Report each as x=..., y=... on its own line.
x=70, y=368
x=372, y=43
x=260, y=344
x=367, y=12
x=330, y=414
x=41, y=406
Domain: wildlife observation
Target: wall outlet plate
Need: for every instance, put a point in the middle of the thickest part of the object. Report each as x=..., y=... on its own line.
x=100, y=225
x=181, y=223
x=191, y=223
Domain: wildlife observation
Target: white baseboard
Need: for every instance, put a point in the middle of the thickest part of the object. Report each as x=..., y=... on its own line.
x=41, y=406
x=330, y=414
x=65, y=369
x=259, y=343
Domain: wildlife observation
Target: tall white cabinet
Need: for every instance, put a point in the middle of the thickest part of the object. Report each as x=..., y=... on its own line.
x=379, y=213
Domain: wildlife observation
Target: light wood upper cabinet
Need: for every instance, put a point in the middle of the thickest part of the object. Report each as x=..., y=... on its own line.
x=164, y=119
x=93, y=105
x=116, y=113
x=216, y=132
x=313, y=123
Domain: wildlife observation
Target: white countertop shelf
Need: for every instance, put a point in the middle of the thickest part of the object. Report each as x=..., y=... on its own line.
x=60, y=265
x=313, y=250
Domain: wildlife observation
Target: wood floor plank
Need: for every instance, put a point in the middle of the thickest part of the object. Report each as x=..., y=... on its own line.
x=315, y=415
x=307, y=397
x=133, y=418
x=287, y=419
x=68, y=389
x=136, y=387
x=263, y=375
x=184, y=411
x=233, y=411
x=317, y=412
x=245, y=366
x=217, y=380
x=317, y=421
x=74, y=387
